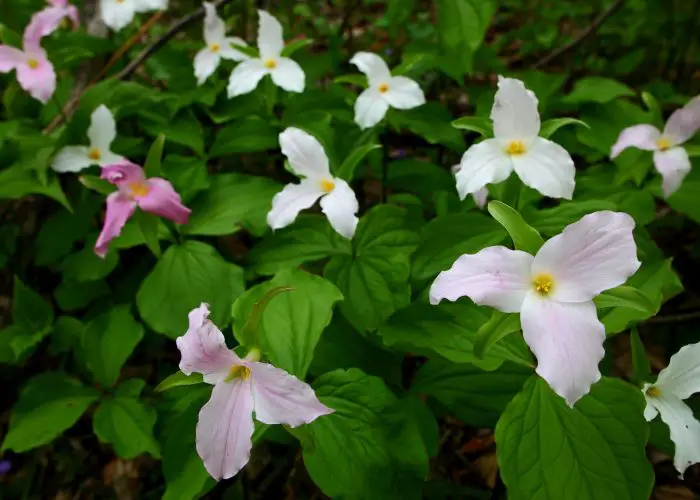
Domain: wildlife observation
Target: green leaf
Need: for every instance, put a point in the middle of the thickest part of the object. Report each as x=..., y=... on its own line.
x=549, y=127
x=479, y=124
x=292, y=323
x=48, y=404
x=187, y=275
x=640, y=362
x=247, y=50
x=551, y=221
x=496, y=328
x=476, y=397
x=148, y=226
x=524, y=236
x=17, y=182
x=359, y=80
x=102, y=186
x=184, y=129
x=152, y=166
x=17, y=344
x=347, y=168
x=85, y=265
x=653, y=106
x=625, y=296
x=108, y=341
x=248, y=334
x=594, y=450
x=432, y=122
x=597, y=89
x=685, y=200
x=249, y=135
x=30, y=311
x=179, y=379
x=693, y=150
x=292, y=47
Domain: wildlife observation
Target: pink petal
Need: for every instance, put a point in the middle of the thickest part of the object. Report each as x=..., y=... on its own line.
x=673, y=165
x=123, y=173
x=639, y=136
x=281, y=398
x=39, y=82
x=203, y=348
x=44, y=23
x=10, y=58
x=684, y=122
x=225, y=428
x=163, y=200
x=496, y=276
x=119, y=209
x=592, y=255
x=73, y=15
x=567, y=340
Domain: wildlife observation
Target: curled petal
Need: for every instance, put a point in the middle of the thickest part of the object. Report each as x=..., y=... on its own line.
x=281, y=398
x=117, y=15
x=404, y=93
x=205, y=63
x=103, y=128
x=10, y=58
x=43, y=23
x=294, y=198
x=72, y=159
x=225, y=429
x=638, y=136
x=214, y=27
x=483, y=163
x=288, y=75
x=682, y=375
x=340, y=206
x=245, y=77
x=270, y=40
x=164, y=201
x=546, y=167
x=514, y=112
x=373, y=67
x=684, y=122
x=119, y=209
x=370, y=108
x=123, y=173
x=480, y=197
x=567, y=340
x=304, y=153
x=684, y=429
x=591, y=255
x=496, y=276
x=39, y=81
x=228, y=52
x=673, y=165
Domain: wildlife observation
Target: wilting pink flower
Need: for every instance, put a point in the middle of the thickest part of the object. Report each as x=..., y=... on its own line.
x=241, y=387
x=553, y=292
x=670, y=159
x=35, y=72
x=154, y=195
x=46, y=21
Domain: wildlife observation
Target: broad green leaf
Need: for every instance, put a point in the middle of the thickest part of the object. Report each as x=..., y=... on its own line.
x=179, y=379
x=524, y=236
x=152, y=166
x=247, y=50
x=640, y=362
x=357, y=79
x=626, y=296
x=132, y=236
x=597, y=89
x=248, y=333
x=85, y=265
x=347, y=168
x=595, y=450
x=249, y=135
x=66, y=335
x=17, y=182
x=148, y=226
x=685, y=200
x=292, y=47
x=73, y=295
x=431, y=121
x=187, y=275
x=693, y=150
x=292, y=322
x=420, y=177
x=17, y=344
x=108, y=341
x=551, y=221
x=102, y=186
x=30, y=311
x=184, y=129
x=479, y=124
x=549, y=127
x=475, y=396
x=48, y=404
x=653, y=106
x=496, y=328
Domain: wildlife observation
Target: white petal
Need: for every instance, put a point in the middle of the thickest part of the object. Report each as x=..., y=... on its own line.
x=546, y=167
x=638, y=136
x=72, y=159
x=650, y=411
x=673, y=165
x=304, y=153
x=483, y=163
x=514, y=112
x=567, y=340
x=404, y=93
x=109, y=158
x=116, y=14
x=149, y=5
x=496, y=276
x=225, y=429
x=373, y=67
x=103, y=128
x=281, y=398
x=214, y=27
x=682, y=375
x=245, y=77
x=340, y=206
x=270, y=41
x=684, y=122
x=481, y=196
x=205, y=63
x=370, y=108
x=591, y=255
x=228, y=52
x=288, y=75
x=294, y=198
x=684, y=427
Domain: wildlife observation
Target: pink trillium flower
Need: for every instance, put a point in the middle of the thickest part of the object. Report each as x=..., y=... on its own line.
x=35, y=73
x=154, y=195
x=670, y=159
x=241, y=387
x=50, y=18
x=553, y=291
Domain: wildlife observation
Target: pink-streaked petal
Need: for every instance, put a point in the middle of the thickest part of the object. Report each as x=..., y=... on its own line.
x=567, y=340
x=481, y=197
x=373, y=66
x=164, y=201
x=591, y=255
x=673, y=165
x=203, y=348
x=10, y=58
x=119, y=209
x=639, y=136
x=281, y=398
x=123, y=173
x=683, y=122
x=404, y=93
x=294, y=198
x=225, y=429
x=245, y=77
x=270, y=41
x=514, y=113
x=483, y=163
x=370, y=108
x=340, y=206
x=496, y=276
x=39, y=82
x=305, y=154
x=288, y=75
x=682, y=375
x=546, y=167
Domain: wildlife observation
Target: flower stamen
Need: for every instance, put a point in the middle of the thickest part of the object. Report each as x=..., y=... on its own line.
x=327, y=185
x=95, y=154
x=384, y=87
x=515, y=148
x=32, y=63
x=138, y=189
x=215, y=47
x=270, y=64
x=543, y=284
x=238, y=371
x=663, y=144
x=653, y=392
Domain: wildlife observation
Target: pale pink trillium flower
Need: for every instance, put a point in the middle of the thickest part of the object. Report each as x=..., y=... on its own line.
x=51, y=17
x=480, y=196
x=553, y=292
x=670, y=158
x=118, y=13
x=218, y=45
x=285, y=72
x=241, y=387
x=308, y=159
x=101, y=133
x=35, y=73
x=384, y=90
x=154, y=195
x=678, y=381
x=540, y=163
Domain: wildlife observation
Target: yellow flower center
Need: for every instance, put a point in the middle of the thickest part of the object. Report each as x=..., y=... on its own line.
x=327, y=185
x=543, y=284
x=383, y=87
x=120, y=1
x=215, y=47
x=663, y=144
x=238, y=371
x=516, y=148
x=33, y=63
x=138, y=189
x=94, y=154
x=653, y=392
x=270, y=64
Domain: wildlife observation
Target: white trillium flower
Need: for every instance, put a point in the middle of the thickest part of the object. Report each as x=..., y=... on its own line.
x=384, y=90
x=285, y=72
x=118, y=13
x=678, y=381
x=670, y=159
x=101, y=133
x=553, y=291
x=218, y=45
x=480, y=196
x=541, y=164
x=308, y=159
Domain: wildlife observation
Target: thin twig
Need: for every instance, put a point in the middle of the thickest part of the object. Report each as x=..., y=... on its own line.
x=674, y=318
x=592, y=28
